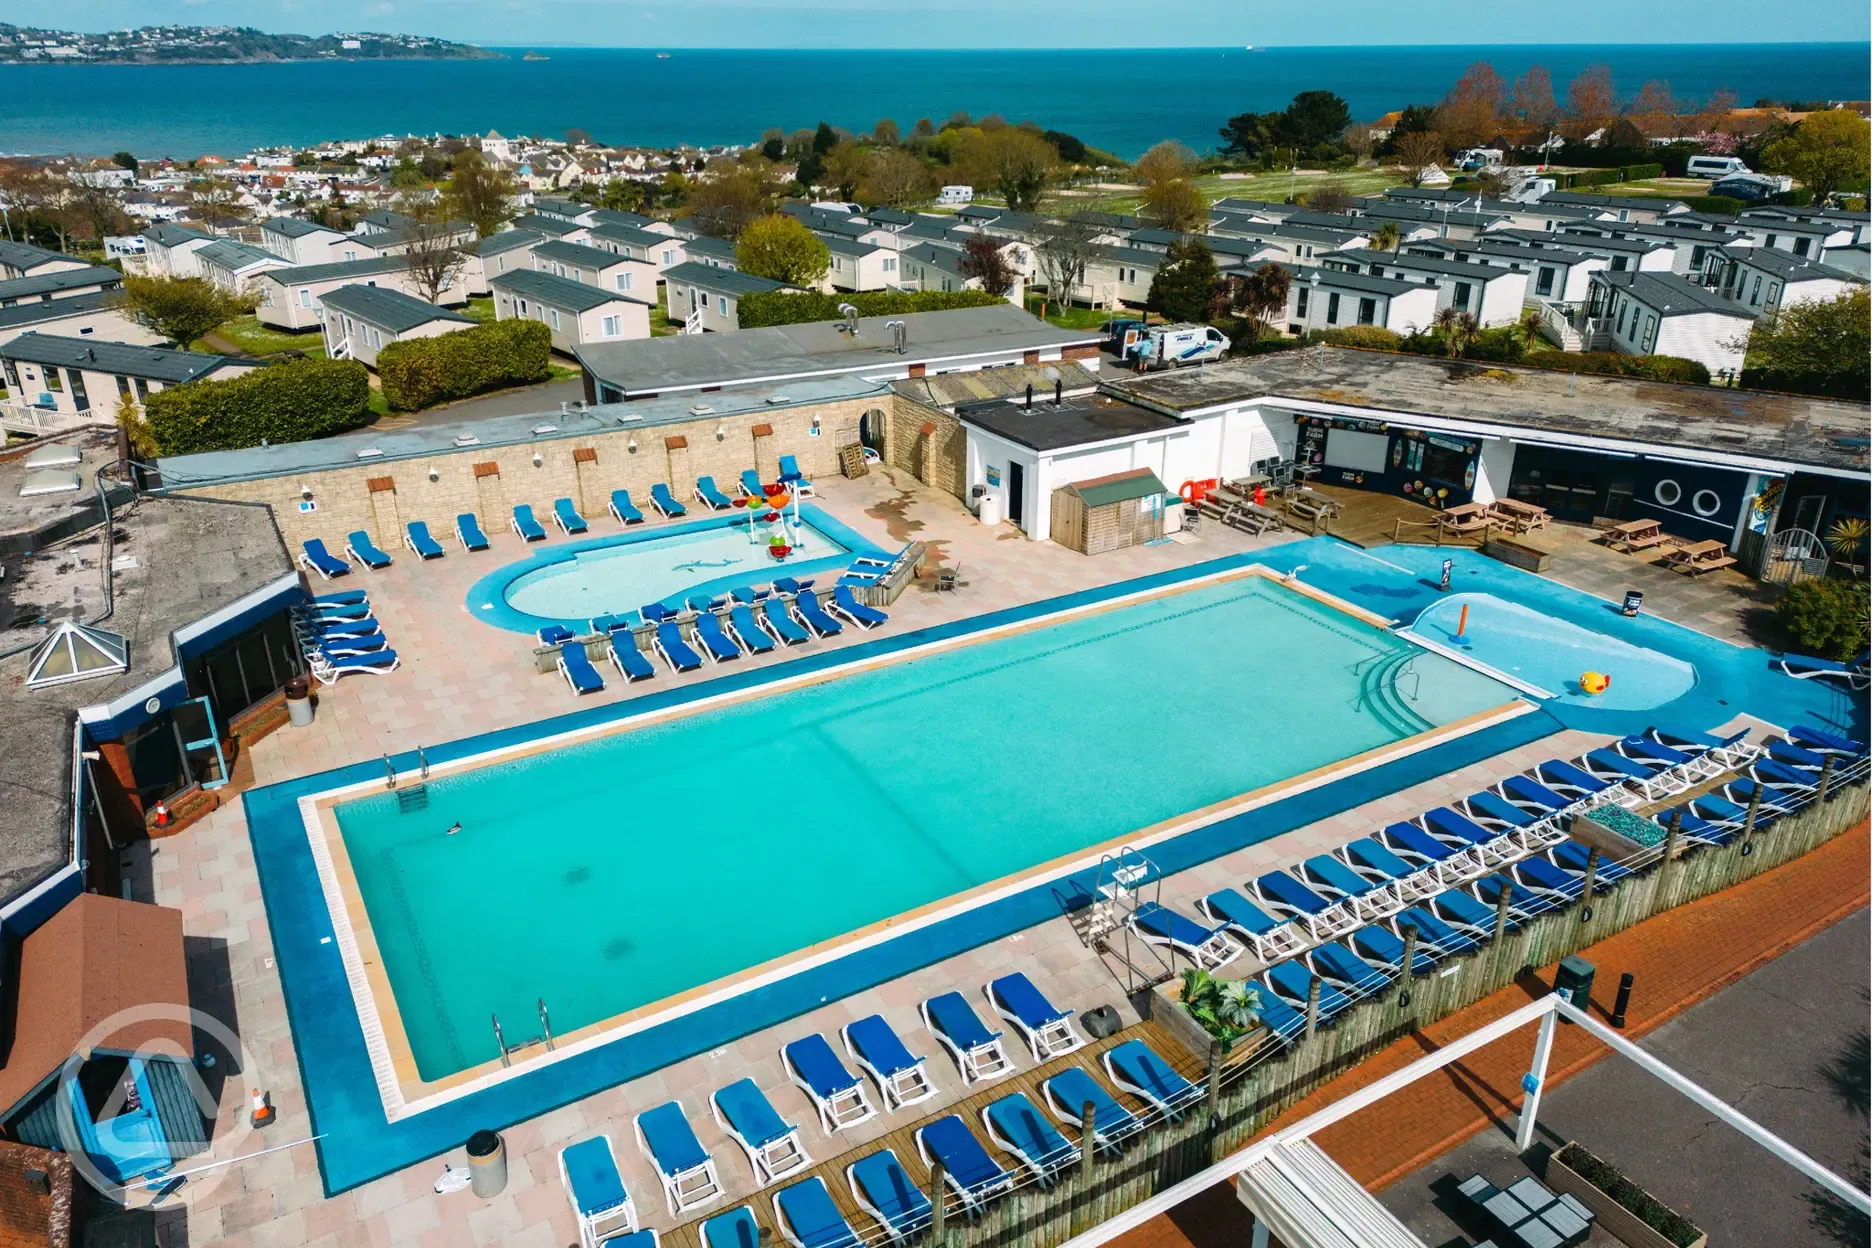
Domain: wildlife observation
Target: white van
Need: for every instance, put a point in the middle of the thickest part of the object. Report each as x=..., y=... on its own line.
x=1169, y=346
x=1714, y=167
x=956, y=196
x=1475, y=158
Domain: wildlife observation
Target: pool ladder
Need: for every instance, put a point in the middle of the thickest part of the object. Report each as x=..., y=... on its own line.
x=508, y=1050
x=1118, y=890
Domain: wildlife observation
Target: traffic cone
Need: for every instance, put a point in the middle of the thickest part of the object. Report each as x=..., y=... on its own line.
x=162, y=815
x=262, y=1113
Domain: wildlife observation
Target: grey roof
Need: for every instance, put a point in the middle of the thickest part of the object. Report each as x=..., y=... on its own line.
x=169, y=234
x=1076, y=421
x=925, y=226
x=566, y=208
x=386, y=221
x=1667, y=294
x=559, y=292
x=1682, y=420
x=164, y=364
x=388, y=309
x=337, y=271
x=1492, y=245
x=35, y=285
x=1584, y=240
x=612, y=216
x=25, y=257
x=1460, y=269
x=631, y=235
x=229, y=254
x=186, y=472
x=750, y=356
x=1222, y=246
x=578, y=254
x=1426, y=215
x=295, y=227
x=846, y=246
x=719, y=280
x=1004, y=381
x=1836, y=215
x=1643, y=203
x=507, y=240
x=1789, y=267
x=946, y=258
x=889, y=216
x=38, y=310
x=551, y=226
x=714, y=248
x=1339, y=279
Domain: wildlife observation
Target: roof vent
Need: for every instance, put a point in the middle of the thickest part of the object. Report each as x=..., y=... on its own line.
x=370, y=452
x=701, y=409
x=779, y=398
x=545, y=429
x=467, y=439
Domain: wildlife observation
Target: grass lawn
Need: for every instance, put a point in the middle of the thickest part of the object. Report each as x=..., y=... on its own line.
x=660, y=324
x=1072, y=318
x=247, y=333
x=1275, y=186
x=562, y=372
x=481, y=309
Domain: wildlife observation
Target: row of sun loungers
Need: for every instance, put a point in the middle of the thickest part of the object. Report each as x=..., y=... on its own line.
x=804, y=1210
x=340, y=637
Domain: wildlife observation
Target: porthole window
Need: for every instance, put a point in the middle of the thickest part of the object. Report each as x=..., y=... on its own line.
x=1667, y=492
x=1705, y=502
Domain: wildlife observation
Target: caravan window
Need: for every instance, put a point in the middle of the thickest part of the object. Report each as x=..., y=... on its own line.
x=1367, y=311
x=1543, y=285
x=1332, y=308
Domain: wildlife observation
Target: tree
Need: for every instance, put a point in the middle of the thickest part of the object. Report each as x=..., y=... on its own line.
x=1825, y=152
x=1071, y=150
x=728, y=198
x=1185, y=286
x=1250, y=135
x=1313, y=118
x=1017, y=164
x=25, y=189
x=432, y=252
x=824, y=139
x=886, y=132
x=214, y=200
x=1329, y=197
x=773, y=148
x=1532, y=99
x=924, y=129
x=895, y=178
x=405, y=175
x=1591, y=102
x=1817, y=347
x=845, y=166
x=479, y=193
x=124, y=160
x=1262, y=294
x=1471, y=111
x=1360, y=141
x=1457, y=329
x=1493, y=184
x=182, y=309
x=1168, y=161
x=1061, y=254
x=984, y=260
x=621, y=195
x=1177, y=204
x=1530, y=327
x=1625, y=133
x=782, y=249
x=1387, y=237
x=97, y=211
x=577, y=137
x=1417, y=153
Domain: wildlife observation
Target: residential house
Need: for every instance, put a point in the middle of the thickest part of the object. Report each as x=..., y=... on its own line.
x=236, y=266
x=1645, y=313
x=496, y=254
x=636, y=220
x=25, y=260
x=1638, y=255
x=361, y=321
x=660, y=251
x=170, y=249
x=1644, y=210
x=566, y=210
x=576, y=312
x=301, y=242
x=594, y=266
x=95, y=314
x=1559, y=274
x=839, y=224
x=1766, y=279
x=553, y=227
x=1493, y=295
x=71, y=376
x=1116, y=275
x=1805, y=237
x=711, y=251
x=859, y=266
x=1320, y=298
x=45, y=286
x=292, y=299
x=1459, y=224
x=1859, y=221
x=708, y=297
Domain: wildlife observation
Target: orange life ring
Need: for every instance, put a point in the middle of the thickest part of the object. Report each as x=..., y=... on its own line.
x=1187, y=492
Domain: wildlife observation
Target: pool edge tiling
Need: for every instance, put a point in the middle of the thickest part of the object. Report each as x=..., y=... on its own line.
x=346, y=1089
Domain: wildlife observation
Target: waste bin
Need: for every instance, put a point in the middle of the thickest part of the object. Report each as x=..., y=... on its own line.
x=1574, y=981
x=299, y=701
x=1634, y=602
x=487, y=1163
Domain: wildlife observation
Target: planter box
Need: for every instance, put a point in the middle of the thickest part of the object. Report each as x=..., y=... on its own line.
x=1517, y=554
x=1620, y=1222
x=1166, y=1010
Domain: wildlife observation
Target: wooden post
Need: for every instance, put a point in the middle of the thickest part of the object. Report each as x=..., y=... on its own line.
x=1672, y=836
x=1213, y=1078
x=1592, y=874
x=1826, y=777
x=1088, y=1143
x=1408, y=971
x=1312, y=1008
x=1501, y=910
x=1754, y=809
x=938, y=1206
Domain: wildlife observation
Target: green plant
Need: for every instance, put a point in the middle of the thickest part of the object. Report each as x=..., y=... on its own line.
x=182, y=309
x=1826, y=618
x=1227, y=1009
x=1654, y=1213
x=288, y=402
x=782, y=307
x=783, y=250
x=1847, y=537
x=422, y=372
x=1373, y=337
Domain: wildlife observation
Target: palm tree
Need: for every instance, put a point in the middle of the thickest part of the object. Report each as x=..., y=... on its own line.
x=1458, y=329
x=1530, y=325
x=1387, y=237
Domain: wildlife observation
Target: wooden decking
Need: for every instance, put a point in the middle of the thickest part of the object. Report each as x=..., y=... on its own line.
x=901, y=1139
x=1371, y=519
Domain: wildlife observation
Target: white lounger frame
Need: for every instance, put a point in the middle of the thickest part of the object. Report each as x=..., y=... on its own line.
x=594, y=1228
x=909, y=1086
x=685, y=1190
x=984, y=1063
x=770, y=1161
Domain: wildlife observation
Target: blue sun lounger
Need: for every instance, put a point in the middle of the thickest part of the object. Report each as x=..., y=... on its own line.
x=748, y=595
x=1522, y=904
x=772, y=1144
x=376, y=663
x=1697, y=828
x=1546, y=881
x=1795, y=780
x=665, y=502
x=626, y=657
x=575, y=665
x=857, y=612
x=1382, y=948
x=623, y=510
x=1373, y=861
x=1822, y=742
x=900, y=1075
x=813, y=616
x=343, y=598
x=348, y=647
x=787, y=585
x=675, y=651
x=1732, y=749
x=1208, y=947
x=525, y=525
x=669, y=1143
x=708, y=631
x=790, y=473
x=1067, y=1094
x=1533, y=796
x=1048, y=1031
x=555, y=635
x=1571, y=855
x=1569, y=781
x=468, y=532
x=1134, y=1067
x=420, y=543
x=1019, y=1129
x=978, y=1053
x=331, y=612
x=589, y=1172
x=807, y=1218
x=1774, y=800
x=566, y=516
x=317, y=559
x=747, y=632
x=967, y=1168
x=1420, y=849
x=1496, y=813
x=1287, y=898
x=709, y=496
x=1653, y=781
x=1291, y=980
x=359, y=546
x=751, y=484
x=783, y=626
x=1332, y=878
x=738, y=1228
x=836, y=1093
x=1464, y=913
x=1445, y=939
x=1269, y=937
x=1345, y=970
x=318, y=630
x=1461, y=832
x=1854, y=675
x=882, y=1188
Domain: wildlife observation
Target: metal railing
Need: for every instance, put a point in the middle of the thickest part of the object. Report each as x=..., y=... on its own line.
x=35, y=421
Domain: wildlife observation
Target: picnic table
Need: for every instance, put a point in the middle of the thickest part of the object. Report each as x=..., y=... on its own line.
x=1636, y=535
x=1523, y=517
x=1696, y=558
x=1312, y=502
x=1529, y=1213
x=1465, y=517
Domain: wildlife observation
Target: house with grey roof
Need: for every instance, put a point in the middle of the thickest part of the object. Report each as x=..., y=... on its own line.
x=857, y=265
x=708, y=297
x=661, y=251
x=595, y=266
x=705, y=250
x=79, y=378
x=298, y=242
x=291, y=299
x=96, y=314
x=931, y=266
x=1767, y=279
x=26, y=260
x=360, y=321
x=576, y=312
x=52, y=284
x=497, y=253
x=1322, y=298
x=1649, y=313
x=235, y=266
x=1492, y=294
x=169, y=249
x=552, y=227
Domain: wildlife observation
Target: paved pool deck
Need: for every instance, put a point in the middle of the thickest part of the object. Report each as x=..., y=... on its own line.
x=462, y=678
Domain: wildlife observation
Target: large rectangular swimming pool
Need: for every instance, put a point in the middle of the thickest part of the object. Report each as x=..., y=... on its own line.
x=604, y=876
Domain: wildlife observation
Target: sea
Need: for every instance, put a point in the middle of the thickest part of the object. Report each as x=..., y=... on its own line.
x=1120, y=101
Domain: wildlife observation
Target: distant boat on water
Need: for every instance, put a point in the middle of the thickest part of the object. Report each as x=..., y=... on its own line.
x=536, y=56
x=662, y=56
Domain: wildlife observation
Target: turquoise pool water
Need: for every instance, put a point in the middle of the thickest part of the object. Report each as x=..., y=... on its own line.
x=607, y=875
x=1553, y=653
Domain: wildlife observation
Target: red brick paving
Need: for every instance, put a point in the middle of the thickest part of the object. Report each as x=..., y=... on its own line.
x=1680, y=958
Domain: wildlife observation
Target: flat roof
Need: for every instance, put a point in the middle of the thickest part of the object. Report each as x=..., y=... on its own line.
x=947, y=390
x=1079, y=420
x=1707, y=424
x=751, y=356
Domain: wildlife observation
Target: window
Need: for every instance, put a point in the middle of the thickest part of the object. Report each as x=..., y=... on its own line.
x=123, y=386
x=1755, y=293
x=1543, y=285
x=305, y=297
x=80, y=399
x=1300, y=304
x=890, y=264
x=1705, y=503
x=613, y=326
x=142, y=388
x=1461, y=298
x=1774, y=289
x=12, y=375
x=1332, y=308
x=1650, y=330
x=1620, y=327
x=1696, y=258
x=1367, y=311
x=555, y=317
x=53, y=382
x=1667, y=492
x=1618, y=264
x=522, y=305
x=626, y=281
x=350, y=255
x=721, y=304
x=669, y=255
x=1800, y=246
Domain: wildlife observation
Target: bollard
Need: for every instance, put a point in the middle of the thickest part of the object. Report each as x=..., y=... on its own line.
x=1592, y=874
x=1826, y=778
x=1312, y=1010
x=1409, y=970
x=1624, y=999
x=938, y=1206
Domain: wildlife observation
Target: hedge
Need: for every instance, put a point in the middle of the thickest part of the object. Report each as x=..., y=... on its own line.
x=422, y=372
x=1823, y=385
x=287, y=402
x=1654, y=1213
x=780, y=307
x=1605, y=177
x=1612, y=363
x=1376, y=337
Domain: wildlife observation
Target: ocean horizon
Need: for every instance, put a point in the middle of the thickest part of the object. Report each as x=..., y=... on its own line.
x=1119, y=100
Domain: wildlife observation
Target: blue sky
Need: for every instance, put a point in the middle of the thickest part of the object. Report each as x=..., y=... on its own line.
x=993, y=23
